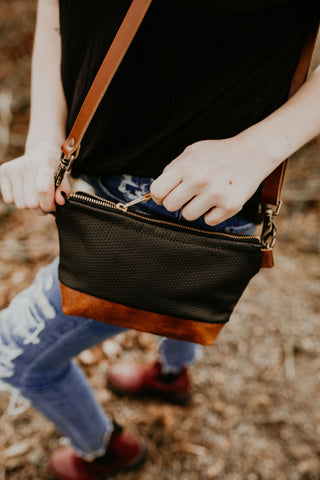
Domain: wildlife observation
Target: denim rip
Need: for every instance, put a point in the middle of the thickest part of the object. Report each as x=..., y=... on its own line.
x=125, y=188
x=26, y=328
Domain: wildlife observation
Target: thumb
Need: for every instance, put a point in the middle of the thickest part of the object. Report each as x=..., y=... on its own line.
x=63, y=191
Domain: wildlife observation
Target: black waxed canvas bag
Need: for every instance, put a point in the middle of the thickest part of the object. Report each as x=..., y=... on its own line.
x=130, y=270
x=157, y=276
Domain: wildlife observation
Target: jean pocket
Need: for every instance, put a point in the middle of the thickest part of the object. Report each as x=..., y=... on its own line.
x=247, y=228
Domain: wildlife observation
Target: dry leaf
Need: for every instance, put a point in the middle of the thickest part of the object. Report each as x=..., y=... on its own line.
x=194, y=449
x=18, y=449
x=111, y=348
x=217, y=468
x=87, y=357
x=310, y=465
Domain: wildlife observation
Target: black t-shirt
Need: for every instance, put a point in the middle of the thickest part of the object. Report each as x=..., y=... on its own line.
x=197, y=69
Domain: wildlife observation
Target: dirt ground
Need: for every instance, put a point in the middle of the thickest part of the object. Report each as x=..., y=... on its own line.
x=255, y=409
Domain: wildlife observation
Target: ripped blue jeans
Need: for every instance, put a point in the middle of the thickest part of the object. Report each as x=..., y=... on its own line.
x=38, y=342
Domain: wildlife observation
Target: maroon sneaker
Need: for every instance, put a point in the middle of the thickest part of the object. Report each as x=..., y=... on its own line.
x=141, y=380
x=124, y=453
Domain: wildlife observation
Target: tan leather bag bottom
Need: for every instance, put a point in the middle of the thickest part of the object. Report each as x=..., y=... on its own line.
x=84, y=305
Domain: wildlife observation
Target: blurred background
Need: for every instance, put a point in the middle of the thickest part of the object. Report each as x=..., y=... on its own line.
x=255, y=409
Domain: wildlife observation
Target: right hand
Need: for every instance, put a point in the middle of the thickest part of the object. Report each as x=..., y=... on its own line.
x=28, y=181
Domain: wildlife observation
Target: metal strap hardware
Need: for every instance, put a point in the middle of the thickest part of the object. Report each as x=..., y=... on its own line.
x=64, y=167
x=269, y=229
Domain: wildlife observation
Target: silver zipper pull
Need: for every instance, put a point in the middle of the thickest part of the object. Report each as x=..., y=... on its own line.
x=124, y=206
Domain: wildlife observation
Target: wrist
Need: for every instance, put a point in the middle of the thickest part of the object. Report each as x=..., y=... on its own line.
x=49, y=139
x=267, y=148
x=51, y=149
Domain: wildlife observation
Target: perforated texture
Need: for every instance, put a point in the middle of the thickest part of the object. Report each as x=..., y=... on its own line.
x=115, y=256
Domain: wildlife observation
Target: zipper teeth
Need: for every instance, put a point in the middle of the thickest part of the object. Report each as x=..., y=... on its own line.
x=103, y=202
x=93, y=199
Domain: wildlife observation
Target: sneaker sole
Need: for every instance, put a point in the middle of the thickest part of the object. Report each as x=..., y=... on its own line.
x=182, y=399
x=133, y=465
x=139, y=461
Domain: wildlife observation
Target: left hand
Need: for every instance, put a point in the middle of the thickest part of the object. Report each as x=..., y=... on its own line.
x=212, y=178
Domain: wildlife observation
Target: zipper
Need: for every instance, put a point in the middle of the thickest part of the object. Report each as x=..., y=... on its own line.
x=123, y=207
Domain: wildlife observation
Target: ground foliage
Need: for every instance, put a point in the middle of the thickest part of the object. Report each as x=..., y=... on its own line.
x=255, y=411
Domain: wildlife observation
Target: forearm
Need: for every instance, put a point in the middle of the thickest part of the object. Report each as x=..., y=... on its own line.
x=28, y=181
x=288, y=128
x=48, y=105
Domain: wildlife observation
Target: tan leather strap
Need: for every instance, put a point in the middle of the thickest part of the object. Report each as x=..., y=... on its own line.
x=109, y=66
x=272, y=185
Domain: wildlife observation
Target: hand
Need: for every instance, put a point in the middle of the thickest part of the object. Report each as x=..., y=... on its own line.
x=211, y=177
x=28, y=181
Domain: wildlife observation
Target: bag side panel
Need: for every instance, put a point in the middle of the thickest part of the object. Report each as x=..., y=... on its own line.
x=84, y=305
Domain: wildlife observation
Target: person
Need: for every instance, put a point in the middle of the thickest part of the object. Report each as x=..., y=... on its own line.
x=197, y=113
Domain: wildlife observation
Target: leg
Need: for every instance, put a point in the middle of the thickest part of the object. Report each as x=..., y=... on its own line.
x=37, y=343
x=175, y=354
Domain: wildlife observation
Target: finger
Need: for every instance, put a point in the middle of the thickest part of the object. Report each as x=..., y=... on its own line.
x=18, y=192
x=198, y=206
x=6, y=189
x=178, y=197
x=45, y=189
x=217, y=215
x=163, y=185
x=63, y=191
x=30, y=194
x=171, y=164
